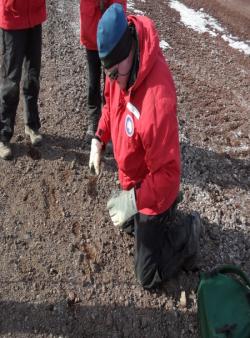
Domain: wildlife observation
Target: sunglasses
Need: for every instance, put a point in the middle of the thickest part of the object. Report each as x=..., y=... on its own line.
x=114, y=73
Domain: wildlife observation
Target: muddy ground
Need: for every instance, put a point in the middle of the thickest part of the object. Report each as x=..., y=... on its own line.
x=65, y=270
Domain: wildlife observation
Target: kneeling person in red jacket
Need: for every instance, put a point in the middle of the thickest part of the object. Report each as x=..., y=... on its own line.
x=21, y=40
x=140, y=118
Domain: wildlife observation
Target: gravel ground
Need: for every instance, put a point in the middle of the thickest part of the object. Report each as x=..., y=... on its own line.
x=65, y=270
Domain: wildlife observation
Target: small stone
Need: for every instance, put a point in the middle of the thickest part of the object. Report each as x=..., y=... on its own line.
x=73, y=164
x=71, y=297
x=183, y=300
x=81, y=258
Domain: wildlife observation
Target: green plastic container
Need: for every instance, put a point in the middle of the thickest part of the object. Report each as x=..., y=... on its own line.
x=224, y=303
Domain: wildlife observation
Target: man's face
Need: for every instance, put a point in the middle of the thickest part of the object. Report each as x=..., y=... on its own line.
x=120, y=72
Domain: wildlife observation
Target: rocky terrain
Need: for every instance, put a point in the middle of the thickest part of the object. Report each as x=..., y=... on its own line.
x=65, y=270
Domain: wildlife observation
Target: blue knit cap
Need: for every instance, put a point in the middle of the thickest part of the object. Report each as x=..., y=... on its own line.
x=113, y=36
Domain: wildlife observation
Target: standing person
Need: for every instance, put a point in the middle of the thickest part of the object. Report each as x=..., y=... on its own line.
x=140, y=118
x=21, y=40
x=90, y=14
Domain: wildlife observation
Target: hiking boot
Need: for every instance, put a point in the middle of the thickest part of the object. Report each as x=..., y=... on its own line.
x=35, y=136
x=191, y=262
x=5, y=151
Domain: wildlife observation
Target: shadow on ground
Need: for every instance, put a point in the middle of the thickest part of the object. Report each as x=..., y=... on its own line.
x=208, y=166
x=60, y=319
x=205, y=165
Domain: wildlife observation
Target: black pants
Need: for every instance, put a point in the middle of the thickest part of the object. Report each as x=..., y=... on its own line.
x=94, y=87
x=162, y=245
x=20, y=48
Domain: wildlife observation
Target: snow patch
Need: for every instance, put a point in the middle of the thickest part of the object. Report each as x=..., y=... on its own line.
x=234, y=43
x=202, y=22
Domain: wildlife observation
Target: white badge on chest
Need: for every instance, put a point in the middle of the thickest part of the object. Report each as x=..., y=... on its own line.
x=129, y=126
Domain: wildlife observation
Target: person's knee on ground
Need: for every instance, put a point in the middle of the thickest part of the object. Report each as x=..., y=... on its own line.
x=177, y=251
x=183, y=236
x=148, y=277
x=149, y=232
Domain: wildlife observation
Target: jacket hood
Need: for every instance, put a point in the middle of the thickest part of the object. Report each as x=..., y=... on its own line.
x=148, y=46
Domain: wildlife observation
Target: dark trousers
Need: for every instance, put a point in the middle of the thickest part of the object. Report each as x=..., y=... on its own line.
x=20, y=48
x=162, y=245
x=94, y=87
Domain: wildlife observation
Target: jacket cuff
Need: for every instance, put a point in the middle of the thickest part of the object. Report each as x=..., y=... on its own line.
x=98, y=138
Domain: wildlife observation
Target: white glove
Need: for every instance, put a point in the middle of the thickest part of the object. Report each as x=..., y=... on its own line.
x=95, y=156
x=122, y=206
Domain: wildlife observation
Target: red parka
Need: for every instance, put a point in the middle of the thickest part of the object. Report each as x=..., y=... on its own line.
x=142, y=123
x=90, y=14
x=21, y=14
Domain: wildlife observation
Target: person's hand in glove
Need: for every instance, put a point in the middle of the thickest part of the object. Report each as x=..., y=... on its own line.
x=95, y=156
x=122, y=206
